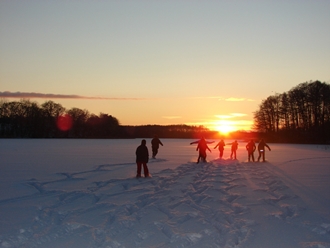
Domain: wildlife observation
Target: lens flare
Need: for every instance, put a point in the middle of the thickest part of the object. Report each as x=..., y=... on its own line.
x=64, y=122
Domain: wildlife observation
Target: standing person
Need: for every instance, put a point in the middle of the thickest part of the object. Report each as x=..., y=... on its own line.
x=142, y=158
x=221, y=145
x=197, y=141
x=155, y=142
x=251, y=147
x=234, y=147
x=202, y=146
x=261, y=149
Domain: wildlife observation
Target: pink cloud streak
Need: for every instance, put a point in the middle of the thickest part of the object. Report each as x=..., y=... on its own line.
x=7, y=94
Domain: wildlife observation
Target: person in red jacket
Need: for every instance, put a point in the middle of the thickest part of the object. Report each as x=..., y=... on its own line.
x=142, y=158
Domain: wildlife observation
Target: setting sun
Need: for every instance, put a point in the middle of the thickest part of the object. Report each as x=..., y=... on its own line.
x=224, y=127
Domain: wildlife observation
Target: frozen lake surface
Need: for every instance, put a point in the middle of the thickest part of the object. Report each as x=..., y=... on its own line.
x=83, y=193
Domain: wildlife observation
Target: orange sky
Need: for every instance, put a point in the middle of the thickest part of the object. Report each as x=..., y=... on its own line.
x=162, y=62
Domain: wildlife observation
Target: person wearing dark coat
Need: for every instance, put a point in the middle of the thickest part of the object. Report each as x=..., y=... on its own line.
x=155, y=142
x=221, y=145
x=142, y=158
x=261, y=149
x=202, y=146
x=251, y=147
x=234, y=147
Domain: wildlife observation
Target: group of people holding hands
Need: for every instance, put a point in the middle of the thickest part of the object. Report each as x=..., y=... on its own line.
x=250, y=147
x=142, y=154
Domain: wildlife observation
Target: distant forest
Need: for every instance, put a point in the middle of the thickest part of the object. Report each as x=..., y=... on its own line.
x=301, y=115
x=28, y=119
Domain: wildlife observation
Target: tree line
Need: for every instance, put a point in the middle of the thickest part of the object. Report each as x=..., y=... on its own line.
x=28, y=119
x=180, y=131
x=301, y=115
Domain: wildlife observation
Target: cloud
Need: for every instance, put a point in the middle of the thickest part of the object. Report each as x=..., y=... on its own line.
x=7, y=94
x=231, y=115
x=205, y=97
x=224, y=116
x=238, y=114
x=220, y=98
x=171, y=117
x=234, y=99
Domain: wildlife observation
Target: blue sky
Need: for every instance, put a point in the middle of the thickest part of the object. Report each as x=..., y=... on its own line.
x=162, y=62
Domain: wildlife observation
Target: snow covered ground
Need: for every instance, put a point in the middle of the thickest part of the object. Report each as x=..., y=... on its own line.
x=83, y=193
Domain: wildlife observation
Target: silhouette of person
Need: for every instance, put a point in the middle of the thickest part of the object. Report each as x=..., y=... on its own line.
x=155, y=142
x=197, y=141
x=142, y=158
x=202, y=146
x=261, y=149
x=251, y=147
x=221, y=145
x=234, y=147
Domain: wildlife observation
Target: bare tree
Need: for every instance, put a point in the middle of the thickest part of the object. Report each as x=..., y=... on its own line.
x=304, y=110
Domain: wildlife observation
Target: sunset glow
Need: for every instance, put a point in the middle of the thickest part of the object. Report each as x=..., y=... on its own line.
x=225, y=127
x=208, y=63
x=228, y=123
